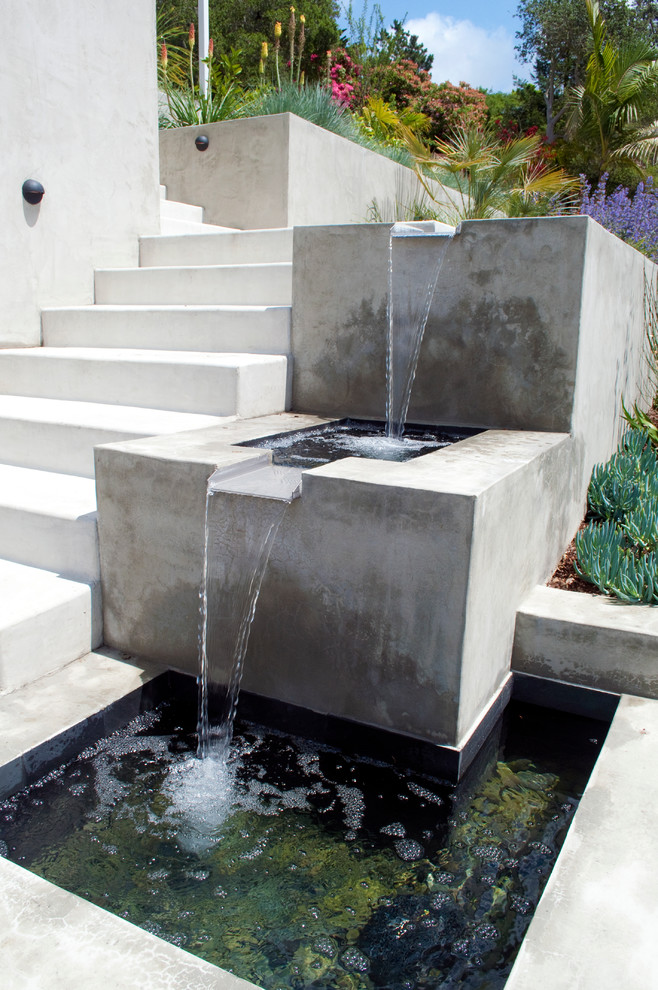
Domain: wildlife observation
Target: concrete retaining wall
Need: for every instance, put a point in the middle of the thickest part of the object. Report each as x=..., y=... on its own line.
x=79, y=114
x=279, y=171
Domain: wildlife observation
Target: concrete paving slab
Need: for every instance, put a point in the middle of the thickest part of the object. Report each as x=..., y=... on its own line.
x=53, y=717
x=595, y=926
x=53, y=940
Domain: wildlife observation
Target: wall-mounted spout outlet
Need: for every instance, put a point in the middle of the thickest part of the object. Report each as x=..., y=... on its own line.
x=260, y=478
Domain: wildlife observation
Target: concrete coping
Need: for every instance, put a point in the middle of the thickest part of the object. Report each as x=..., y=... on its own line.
x=467, y=467
x=595, y=925
x=591, y=640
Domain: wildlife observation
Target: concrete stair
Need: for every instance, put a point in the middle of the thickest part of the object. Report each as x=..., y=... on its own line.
x=60, y=435
x=183, y=218
x=232, y=329
x=198, y=335
x=45, y=620
x=241, y=247
x=209, y=284
x=48, y=520
x=184, y=381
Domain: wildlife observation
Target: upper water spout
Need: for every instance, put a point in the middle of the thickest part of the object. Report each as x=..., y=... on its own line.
x=408, y=308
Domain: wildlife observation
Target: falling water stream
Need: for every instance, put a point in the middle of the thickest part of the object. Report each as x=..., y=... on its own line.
x=408, y=309
x=234, y=565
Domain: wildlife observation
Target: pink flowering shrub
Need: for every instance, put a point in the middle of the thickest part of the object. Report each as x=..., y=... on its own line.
x=344, y=76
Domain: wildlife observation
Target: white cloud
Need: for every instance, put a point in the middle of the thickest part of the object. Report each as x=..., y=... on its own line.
x=464, y=51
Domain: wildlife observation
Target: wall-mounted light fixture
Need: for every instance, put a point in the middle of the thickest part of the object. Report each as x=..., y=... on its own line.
x=32, y=191
x=201, y=142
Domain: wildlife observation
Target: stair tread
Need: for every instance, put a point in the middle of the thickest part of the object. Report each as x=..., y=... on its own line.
x=270, y=232
x=66, y=496
x=166, y=307
x=26, y=591
x=97, y=415
x=243, y=266
x=138, y=355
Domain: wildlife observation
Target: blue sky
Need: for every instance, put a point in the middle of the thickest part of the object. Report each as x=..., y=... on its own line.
x=471, y=41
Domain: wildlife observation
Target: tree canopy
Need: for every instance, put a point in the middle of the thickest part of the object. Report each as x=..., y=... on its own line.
x=555, y=39
x=246, y=24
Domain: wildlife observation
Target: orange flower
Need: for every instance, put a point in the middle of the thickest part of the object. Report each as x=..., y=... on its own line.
x=164, y=58
x=190, y=37
x=211, y=48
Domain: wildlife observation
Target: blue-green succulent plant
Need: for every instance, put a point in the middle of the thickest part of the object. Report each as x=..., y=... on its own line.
x=617, y=550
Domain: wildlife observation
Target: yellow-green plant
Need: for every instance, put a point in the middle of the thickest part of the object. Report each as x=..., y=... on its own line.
x=382, y=122
x=291, y=38
x=486, y=177
x=277, y=46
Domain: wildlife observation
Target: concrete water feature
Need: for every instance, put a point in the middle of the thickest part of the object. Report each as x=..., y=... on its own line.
x=524, y=324
x=401, y=581
x=154, y=490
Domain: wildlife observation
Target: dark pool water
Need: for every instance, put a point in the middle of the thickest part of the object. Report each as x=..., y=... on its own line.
x=317, y=445
x=300, y=867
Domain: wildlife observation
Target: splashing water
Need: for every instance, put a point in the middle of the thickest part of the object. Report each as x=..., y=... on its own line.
x=407, y=314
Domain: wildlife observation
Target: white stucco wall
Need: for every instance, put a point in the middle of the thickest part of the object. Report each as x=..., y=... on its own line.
x=78, y=113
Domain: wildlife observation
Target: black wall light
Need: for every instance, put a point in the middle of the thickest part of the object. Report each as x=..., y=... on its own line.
x=32, y=191
x=201, y=142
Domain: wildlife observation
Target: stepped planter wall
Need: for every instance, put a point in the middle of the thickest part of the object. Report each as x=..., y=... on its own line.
x=80, y=116
x=279, y=171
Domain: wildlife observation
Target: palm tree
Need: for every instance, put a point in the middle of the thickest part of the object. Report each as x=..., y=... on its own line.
x=483, y=177
x=611, y=114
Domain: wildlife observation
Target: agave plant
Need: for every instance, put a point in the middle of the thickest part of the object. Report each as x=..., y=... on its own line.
x=493, y=178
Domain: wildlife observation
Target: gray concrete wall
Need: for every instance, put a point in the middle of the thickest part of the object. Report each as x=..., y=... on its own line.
x=279, y=171
x=391, y=590
x=79, y=114
x=535, y=324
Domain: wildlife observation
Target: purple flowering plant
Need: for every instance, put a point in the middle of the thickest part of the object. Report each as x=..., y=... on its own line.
x=633, y=218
